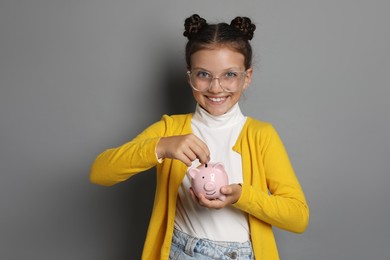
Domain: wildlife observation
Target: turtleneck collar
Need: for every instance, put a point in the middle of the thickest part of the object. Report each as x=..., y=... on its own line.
x=231, y=117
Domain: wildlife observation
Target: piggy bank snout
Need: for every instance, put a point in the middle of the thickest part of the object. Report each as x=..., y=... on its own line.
x=209, y=186
x=208, y=180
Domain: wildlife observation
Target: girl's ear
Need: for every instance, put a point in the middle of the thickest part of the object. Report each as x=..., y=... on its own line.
x=248, y=78
x=188, y=75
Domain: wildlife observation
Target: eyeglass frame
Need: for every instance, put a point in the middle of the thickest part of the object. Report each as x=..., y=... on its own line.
x=212, y=79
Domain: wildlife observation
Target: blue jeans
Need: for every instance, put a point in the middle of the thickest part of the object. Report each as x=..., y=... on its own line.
x=188, y=247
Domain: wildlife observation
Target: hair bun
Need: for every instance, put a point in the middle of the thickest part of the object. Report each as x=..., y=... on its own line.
x=193, y=25
x=245, y=25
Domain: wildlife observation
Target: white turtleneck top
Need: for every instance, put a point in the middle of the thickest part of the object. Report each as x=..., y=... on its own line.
x=220, y=134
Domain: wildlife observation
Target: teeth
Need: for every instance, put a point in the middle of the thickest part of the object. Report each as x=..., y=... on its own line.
x=216, y=99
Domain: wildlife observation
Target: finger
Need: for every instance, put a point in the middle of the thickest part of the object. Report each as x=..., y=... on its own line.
x=227, y=190
x=186, y=155
x=213, y=204
x=193, y=196
x=203, y=154
x=201, y=149
x=189, y=153
x=182, y=157
x=232, y=193
x=201, y=199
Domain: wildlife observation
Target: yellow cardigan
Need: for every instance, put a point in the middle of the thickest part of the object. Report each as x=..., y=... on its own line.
x=271, y=193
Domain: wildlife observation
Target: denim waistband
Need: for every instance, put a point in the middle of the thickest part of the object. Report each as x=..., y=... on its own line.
x=212, y=249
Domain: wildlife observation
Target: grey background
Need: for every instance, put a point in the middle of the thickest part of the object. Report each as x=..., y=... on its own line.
x=78, y=77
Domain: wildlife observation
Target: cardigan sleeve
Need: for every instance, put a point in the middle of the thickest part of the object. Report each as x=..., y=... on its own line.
x=283, y=204
x=118, y=164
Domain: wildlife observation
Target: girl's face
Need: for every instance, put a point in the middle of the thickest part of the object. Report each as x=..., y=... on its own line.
x=218, y=62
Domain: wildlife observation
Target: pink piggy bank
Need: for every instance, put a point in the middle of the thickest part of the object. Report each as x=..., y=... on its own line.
x=208, y=180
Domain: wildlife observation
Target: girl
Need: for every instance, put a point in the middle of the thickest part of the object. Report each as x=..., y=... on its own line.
x=263, y=190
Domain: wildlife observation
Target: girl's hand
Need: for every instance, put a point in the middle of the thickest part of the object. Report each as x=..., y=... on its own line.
x=232, y=192
x=185, y=148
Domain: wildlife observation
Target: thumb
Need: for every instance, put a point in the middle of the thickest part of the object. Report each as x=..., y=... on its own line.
x=226, y=189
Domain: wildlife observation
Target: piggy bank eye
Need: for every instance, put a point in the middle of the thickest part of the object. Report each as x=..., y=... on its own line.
x=202, y=177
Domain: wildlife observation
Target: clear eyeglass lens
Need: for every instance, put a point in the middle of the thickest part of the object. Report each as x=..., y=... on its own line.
x=229, y=81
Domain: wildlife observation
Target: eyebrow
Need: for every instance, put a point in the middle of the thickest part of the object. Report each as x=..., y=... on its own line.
x=227, y=69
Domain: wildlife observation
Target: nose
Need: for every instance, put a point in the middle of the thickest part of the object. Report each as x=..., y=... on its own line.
x=209, y=186
x=215, y=85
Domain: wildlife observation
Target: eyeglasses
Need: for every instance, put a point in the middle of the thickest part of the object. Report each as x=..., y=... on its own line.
x=229, y=81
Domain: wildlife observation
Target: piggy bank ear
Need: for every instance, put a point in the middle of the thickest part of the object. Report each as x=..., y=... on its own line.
x=219, y=166
x=192, y=172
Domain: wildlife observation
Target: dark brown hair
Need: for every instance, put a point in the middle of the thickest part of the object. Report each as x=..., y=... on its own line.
x=202, y=35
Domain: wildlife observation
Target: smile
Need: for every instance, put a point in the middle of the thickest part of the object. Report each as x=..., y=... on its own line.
x=210, y=193
x=219, y=99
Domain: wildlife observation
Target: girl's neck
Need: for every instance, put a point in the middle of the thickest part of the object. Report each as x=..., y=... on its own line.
x=230, y=118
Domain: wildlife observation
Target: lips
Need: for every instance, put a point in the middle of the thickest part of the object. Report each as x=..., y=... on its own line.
x=217, y=99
